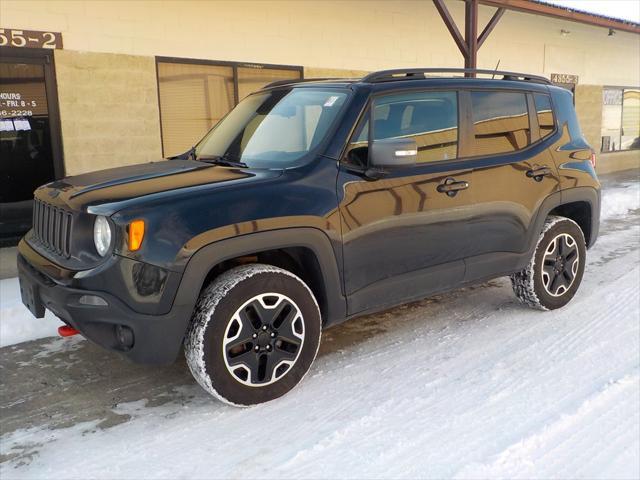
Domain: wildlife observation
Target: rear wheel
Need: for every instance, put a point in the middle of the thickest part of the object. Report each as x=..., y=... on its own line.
x=254, y=334
x=555, y=271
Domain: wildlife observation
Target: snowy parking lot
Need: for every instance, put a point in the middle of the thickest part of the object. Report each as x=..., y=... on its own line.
x=470, y=384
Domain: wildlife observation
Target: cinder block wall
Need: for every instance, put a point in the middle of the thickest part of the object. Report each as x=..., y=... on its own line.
x=110, y=117
x=320, y=72
x=588, y=101
x=108, y=110
x=589, y=109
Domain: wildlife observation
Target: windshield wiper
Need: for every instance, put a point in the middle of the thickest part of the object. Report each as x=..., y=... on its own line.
x=222, y=160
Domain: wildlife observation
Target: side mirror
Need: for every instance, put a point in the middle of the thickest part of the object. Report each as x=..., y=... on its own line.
x=393, y=152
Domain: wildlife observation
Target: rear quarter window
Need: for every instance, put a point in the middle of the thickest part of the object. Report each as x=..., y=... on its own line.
x=544, y=113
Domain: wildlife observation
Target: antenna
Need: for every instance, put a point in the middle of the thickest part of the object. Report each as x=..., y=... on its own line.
x=495, y=70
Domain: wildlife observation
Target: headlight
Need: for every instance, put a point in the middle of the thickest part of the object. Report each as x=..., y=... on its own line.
x=102, y=235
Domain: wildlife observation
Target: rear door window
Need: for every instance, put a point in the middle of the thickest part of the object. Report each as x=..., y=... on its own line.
x=500, y=122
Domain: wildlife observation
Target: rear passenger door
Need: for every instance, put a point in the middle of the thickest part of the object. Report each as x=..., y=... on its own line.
x=513, y=172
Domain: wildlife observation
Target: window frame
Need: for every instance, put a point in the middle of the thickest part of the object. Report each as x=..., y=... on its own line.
x=622, y=88
x=217, y=63
x=367, y=115
x=533, y=120
x=533, y=112
x=528, y=97
x=444, y=90
x=466, y=136
x=46, y=58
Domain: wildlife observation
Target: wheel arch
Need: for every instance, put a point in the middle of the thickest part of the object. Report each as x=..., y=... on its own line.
x=580, y=212
x=580, y=204
x=306, y=252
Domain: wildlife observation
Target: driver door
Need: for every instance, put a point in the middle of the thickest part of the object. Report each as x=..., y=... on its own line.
x=403, y=236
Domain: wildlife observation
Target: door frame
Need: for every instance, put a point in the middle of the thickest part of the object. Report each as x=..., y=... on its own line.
x=44, y=57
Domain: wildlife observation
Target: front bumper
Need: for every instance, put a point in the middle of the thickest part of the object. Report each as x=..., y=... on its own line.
x=156, y=339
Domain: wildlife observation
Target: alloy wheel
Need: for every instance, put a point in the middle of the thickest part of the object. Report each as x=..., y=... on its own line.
x=560, y=264
x=263, y=339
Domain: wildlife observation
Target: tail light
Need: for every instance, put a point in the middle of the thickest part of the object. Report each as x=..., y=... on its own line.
x=593, y=159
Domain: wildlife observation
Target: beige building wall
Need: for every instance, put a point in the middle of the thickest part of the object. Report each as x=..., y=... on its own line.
x=108, y=110
x=588, y=101
x=109, y=105
x=356, y=34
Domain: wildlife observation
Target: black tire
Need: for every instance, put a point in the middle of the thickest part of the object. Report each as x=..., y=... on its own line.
x=254, y=334
x=552, y=277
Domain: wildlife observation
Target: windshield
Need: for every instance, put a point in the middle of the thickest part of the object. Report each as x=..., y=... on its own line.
x=273, y=129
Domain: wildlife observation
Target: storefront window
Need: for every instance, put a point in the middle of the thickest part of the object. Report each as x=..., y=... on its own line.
x=195, y=95
x=192, y=99
x=620, y=119
x=252, y=79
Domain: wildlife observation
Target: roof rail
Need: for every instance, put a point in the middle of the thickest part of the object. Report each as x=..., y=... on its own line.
x=420, y=73
x=277, y=83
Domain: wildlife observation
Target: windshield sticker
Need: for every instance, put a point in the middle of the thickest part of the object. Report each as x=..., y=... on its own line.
x=331, y=100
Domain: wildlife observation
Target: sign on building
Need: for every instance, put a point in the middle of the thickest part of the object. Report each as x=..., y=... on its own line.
x=30, y=39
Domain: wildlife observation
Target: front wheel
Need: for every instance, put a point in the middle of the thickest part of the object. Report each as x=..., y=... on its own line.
x=555, y=271
x=254, y=334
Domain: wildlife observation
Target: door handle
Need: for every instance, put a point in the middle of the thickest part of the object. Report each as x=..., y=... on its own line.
x=451, y=186
x=538, y=172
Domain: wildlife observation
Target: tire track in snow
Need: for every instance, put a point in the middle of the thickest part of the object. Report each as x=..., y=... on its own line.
x=573, y=338
x=517, y=460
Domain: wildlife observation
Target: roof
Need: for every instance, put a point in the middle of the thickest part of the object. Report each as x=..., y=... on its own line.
x=540, y=7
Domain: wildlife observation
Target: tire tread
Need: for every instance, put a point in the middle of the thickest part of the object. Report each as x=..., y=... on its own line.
x=204, y=312
x=522, y=282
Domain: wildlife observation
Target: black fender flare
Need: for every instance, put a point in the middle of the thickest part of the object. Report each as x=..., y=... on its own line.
x=589, y=195
x=207, y=257
x=593, y=197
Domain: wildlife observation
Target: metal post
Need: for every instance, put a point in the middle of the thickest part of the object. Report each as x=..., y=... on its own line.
x=470, y=44
x=471, y=34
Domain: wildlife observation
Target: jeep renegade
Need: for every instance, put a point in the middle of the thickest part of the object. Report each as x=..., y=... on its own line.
x=310, y=203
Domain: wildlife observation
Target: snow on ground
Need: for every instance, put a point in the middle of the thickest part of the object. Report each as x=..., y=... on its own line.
x=465, y=385
x=16, y=322
x=620, y=200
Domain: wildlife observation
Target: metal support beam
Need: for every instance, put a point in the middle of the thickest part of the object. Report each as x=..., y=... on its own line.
x=451, y=26
x=490, y=26
x=471, y=34
x=471, y=43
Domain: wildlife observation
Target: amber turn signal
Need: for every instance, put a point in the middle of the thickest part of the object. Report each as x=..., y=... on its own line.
x=136, y=234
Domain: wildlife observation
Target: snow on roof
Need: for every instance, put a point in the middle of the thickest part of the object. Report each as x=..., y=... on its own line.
x=586, y=12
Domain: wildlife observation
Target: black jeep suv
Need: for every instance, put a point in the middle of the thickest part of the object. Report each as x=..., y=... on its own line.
x=310, y=203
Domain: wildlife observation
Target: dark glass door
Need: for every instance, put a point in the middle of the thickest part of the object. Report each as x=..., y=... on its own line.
x=27, y=149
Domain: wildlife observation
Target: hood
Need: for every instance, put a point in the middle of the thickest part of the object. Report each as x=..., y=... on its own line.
x=116, y=186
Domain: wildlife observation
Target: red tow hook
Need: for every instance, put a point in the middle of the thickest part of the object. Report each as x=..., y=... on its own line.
x=67, y=331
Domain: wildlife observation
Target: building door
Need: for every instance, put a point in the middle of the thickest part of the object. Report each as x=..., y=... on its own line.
x=29, y=136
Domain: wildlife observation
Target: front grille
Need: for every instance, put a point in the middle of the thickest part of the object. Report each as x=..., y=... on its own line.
x=52, y=227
